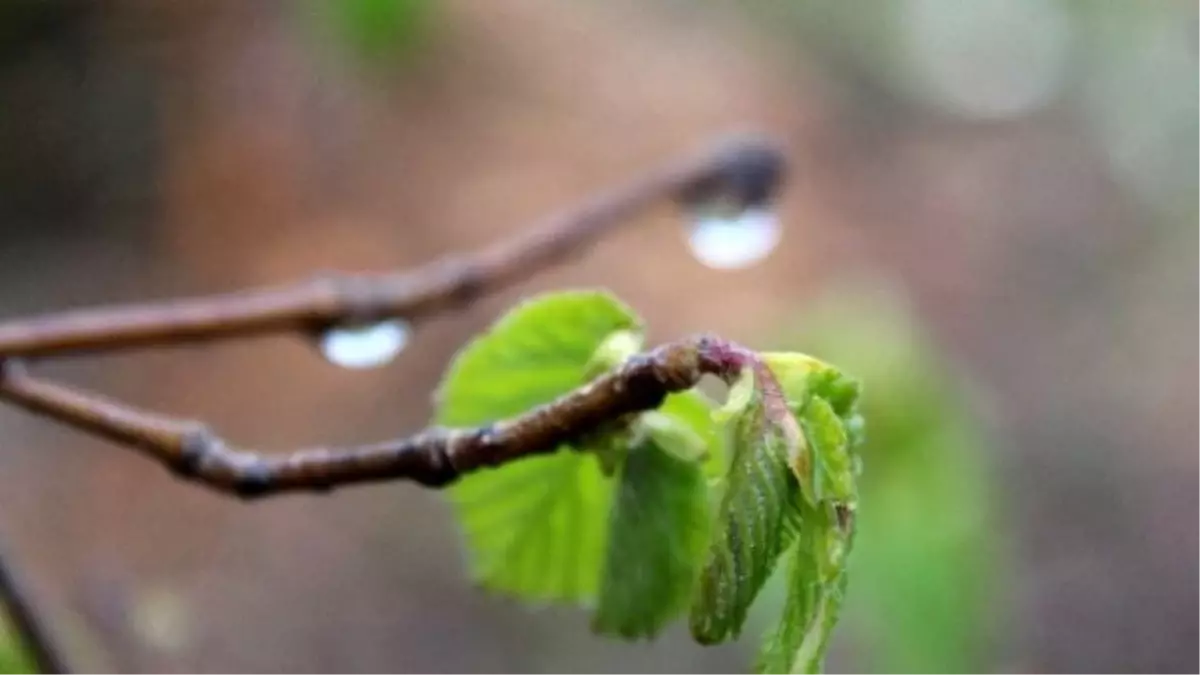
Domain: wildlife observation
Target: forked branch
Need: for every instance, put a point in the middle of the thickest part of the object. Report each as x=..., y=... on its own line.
x=745, y=172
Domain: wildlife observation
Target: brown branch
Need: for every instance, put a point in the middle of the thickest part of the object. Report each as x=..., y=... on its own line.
x=434, y=457
x=746, y=170
x=32, y=633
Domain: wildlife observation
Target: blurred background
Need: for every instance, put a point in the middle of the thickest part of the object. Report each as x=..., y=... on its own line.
x=991, y=219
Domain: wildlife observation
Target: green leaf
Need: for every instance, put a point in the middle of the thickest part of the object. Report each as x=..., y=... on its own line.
x=802, y=376
x=657, y=531
x=833, y=466
x=816, y=589
x=536, y=352
x=780, y=648
x=613, y=351
x=696, y=411
x=826, y=401
x=756, y=518
x=535, y=528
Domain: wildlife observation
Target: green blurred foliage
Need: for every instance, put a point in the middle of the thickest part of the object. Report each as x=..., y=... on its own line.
x=13, y=657
x=377, y=32
x=923, y=573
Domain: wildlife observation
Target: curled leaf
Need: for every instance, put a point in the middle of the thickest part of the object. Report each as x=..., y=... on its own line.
x=826, y=403
x=834, y=469
x=757, y=515
x=816, y=588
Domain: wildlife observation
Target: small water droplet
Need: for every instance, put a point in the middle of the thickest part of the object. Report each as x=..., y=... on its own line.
x=364, y=346
x=724, y=241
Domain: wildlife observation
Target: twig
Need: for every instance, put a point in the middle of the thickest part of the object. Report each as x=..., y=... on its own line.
x=34, y=636
x=746, y=170
x=434, y=457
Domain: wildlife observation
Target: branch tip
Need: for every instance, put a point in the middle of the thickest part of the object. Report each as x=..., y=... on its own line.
x=746, y=170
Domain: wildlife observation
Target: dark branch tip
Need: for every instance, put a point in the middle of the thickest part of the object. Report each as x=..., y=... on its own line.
x=747, y=171
x=752, y=169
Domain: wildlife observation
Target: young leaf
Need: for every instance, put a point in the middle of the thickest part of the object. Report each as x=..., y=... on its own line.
x=689, y=417
x=826, y=402
x=802, y=376
x=833, y=465
x=757, y=514
x=537, y=351
x=816, y=588
x=780, y=648
x=535, y=528
x=817, y=577
x=657, y=530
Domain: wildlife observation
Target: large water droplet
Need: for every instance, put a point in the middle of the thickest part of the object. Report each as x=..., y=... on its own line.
x=364, y=346
x=723, y=241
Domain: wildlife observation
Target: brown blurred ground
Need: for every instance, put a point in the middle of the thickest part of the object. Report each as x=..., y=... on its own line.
x=246, y=157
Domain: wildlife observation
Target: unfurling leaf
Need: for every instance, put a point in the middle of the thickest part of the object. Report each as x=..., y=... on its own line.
x=657, y=529
x=780, y=647
x=757, y=515
x=825, y=400
x=833, y=466
x=826, y=403
x=534, y=528
x=816, y=588
x=645, y=517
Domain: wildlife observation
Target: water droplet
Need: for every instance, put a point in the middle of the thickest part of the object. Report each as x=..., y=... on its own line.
x=727, y=242
x=364, y=346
